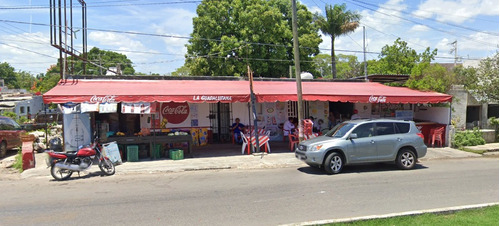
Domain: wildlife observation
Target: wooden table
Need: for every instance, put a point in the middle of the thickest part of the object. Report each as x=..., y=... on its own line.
x=151, y=140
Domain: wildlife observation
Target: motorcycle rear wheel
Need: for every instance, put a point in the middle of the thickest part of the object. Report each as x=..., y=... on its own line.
x=60, y=174
x=107, y=167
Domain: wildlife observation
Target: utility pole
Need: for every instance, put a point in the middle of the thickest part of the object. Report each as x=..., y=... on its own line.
x=364, y=54
x=254, y=111
x=455, y=49
x=298, y=79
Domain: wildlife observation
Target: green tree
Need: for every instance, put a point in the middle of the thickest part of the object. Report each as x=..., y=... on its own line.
x=229, y=34
x=338, y=22
x=348, y=66
x=323, y=66
x=8, y=74
x=104, y=58
x=482, y=81
x=429, y=77
x=400, y=59
x=182, y=71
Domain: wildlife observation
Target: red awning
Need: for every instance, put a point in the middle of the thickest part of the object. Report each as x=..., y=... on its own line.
x=362, y=92
x=212, y=91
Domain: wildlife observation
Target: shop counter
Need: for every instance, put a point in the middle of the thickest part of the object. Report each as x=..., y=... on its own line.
x=152, y=140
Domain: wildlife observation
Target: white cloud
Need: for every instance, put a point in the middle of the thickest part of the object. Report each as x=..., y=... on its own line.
x=456, y=11
x=115, y=40
x=419, y=28
x=30, y=52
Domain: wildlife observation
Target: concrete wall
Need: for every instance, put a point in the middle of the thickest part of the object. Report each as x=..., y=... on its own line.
x=459, y=106
x=440, y=115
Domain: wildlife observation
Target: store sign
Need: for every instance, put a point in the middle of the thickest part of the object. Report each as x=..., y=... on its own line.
x=175, y=113
x=375, y=99
x=103, y=99
x=212, y=98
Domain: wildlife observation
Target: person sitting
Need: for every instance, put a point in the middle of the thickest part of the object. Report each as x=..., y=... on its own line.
x=288, y=127
x=355, y=115
x=318, y=126
x=237, y=127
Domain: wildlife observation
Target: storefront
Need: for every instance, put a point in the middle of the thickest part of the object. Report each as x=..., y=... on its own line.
x=205, y=109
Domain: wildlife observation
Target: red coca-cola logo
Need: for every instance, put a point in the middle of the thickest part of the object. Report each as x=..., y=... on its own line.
x=175, y=113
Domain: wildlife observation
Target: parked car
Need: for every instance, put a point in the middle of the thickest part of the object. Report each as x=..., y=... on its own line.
x=10, y=135
x=364, y=141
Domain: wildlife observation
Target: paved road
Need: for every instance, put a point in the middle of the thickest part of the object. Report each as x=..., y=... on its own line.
x=248, y=197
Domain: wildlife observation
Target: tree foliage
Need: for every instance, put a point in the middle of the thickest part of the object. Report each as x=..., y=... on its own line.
x=229, y=34
x=104, y=58
x=338, y=22
x=400, y=59
x=430, y=77
x=15, y=80
x=481, y=82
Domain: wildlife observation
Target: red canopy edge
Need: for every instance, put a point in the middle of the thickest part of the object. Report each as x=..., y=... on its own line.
x=213, y=91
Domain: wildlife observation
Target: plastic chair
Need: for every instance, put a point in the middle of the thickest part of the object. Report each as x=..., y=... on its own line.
x=437, y=135
x=246, y=144
x=293, y=140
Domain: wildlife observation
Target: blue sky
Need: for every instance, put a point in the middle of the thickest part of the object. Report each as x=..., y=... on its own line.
x=25, y=38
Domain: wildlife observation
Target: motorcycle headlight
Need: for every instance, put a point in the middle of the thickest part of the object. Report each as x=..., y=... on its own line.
x=316, y=147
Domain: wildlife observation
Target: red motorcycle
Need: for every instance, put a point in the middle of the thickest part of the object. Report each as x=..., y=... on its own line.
x=63, y=164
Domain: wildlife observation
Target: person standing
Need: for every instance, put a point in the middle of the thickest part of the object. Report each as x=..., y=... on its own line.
x=237, y=127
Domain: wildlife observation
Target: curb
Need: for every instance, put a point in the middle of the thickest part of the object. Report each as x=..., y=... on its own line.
x=391, y=215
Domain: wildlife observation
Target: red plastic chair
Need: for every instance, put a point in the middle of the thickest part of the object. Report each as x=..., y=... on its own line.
x=293, y=140
x=437, y=136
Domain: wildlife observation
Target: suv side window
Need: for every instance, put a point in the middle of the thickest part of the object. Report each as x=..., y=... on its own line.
x=385, y=128
x=402, y=127
x=365, y=130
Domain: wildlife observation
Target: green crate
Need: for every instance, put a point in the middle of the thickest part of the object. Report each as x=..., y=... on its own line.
x=176, y=154
x=132, y=153
x=157, y=150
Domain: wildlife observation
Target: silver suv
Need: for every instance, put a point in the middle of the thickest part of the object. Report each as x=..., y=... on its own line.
x=364, y=141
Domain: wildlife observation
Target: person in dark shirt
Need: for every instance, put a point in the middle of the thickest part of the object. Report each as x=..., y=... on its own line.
x=237, y=127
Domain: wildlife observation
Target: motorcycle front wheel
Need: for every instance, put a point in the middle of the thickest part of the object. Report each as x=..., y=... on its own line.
x=60, y=174
x=107, y=167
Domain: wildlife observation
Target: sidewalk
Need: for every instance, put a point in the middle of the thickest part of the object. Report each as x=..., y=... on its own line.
x=257, y=161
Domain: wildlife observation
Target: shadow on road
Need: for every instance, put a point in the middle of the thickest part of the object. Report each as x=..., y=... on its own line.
x=83, y=176
x=361, y=168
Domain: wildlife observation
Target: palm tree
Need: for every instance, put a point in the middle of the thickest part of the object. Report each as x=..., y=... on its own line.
x=338, y=22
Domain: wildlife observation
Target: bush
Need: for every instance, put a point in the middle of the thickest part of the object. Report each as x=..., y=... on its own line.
x=468, y=138
x=18, y=163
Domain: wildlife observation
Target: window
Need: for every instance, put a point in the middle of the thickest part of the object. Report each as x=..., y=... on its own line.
x=402, y=127
x=385, y=128
x=21, y=110
x=364, y=130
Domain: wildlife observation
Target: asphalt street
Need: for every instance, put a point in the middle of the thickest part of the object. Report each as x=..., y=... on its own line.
x=275, y=196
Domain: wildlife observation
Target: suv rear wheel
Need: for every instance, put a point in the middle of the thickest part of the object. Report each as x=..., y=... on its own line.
x=406, y=159
x=334, y=163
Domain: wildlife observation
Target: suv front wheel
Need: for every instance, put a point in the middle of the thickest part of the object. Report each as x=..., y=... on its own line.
x=406, y=159
x=334, y=163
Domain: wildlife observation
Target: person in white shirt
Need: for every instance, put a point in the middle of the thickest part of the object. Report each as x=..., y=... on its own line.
x=288, y=127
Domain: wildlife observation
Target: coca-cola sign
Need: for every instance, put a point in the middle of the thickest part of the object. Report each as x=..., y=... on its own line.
x=377, y=99
x=102, y=99
x=175, y=113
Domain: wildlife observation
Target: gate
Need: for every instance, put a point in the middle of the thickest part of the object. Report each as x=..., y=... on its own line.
x=220, y=122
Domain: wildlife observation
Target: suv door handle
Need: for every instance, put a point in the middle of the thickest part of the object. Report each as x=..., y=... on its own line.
x=399, y=139
x=372, y=141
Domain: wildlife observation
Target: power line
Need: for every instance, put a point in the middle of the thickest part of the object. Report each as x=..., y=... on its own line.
x=415, y=22
x=98, y=6
x=442, y=22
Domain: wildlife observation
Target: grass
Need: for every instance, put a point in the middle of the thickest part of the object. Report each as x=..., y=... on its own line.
x=480, y=216
x=18, y=162
x=473, y=150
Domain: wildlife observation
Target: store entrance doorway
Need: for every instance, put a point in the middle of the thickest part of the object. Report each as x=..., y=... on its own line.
x=220, y=122
x=341, y=110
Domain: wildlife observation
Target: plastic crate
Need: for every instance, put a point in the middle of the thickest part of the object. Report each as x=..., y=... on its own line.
x=157, y=150
x=132, y=153
x=176, y=154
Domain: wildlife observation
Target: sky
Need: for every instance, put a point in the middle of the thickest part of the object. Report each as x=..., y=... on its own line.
x=153, y=33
